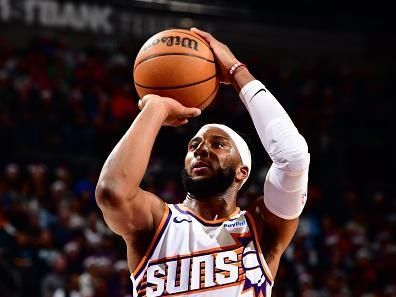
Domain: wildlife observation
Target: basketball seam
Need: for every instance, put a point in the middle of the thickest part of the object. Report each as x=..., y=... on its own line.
x=176, y=87
x=171, y=54
x=215, y=89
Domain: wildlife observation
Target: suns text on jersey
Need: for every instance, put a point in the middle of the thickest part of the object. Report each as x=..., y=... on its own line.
x=192, y=273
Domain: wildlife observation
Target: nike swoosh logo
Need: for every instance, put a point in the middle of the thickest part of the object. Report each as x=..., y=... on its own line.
x=178, y=220
x=261, y=90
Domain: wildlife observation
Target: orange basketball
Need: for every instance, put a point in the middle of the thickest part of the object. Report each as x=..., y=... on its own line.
x=178, y=64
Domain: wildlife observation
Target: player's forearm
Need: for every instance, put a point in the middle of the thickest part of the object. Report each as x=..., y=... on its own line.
x=287, y=179
x=125, y=167
x=281, y=139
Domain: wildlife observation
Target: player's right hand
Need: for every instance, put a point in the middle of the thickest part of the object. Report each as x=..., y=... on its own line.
x=177, y=114
x=225, y=58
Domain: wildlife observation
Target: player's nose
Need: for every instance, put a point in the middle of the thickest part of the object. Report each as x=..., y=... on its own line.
x=202, y=150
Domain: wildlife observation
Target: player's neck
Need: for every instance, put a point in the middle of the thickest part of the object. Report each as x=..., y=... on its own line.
x=212, y=208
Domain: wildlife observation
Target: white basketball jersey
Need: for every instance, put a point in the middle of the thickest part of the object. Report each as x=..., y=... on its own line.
x=190, y=256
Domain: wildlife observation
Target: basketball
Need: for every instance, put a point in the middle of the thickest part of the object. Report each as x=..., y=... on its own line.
x=179, y=64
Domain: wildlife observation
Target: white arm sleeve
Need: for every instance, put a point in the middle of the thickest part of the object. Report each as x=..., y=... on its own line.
x=285, y=187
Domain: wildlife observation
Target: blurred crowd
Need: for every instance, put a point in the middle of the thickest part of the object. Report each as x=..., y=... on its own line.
x=62, y=109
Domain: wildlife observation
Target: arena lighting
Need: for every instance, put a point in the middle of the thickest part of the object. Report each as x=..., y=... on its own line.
x=194, y=8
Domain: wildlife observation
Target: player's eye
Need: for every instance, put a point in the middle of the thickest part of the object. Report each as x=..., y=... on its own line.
x=193, y=145
x=218, y=144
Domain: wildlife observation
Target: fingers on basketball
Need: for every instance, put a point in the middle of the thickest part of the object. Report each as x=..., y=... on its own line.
x=207, y=36
x=192, y=112
x=182, y=121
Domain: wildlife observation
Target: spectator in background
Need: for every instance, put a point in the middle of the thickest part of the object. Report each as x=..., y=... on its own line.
x=72, y=288
x=120, y=285
x=56, y=279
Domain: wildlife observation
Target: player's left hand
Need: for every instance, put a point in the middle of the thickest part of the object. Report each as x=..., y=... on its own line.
x=176, y=113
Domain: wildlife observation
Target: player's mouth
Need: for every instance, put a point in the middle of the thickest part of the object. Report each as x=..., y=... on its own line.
x=200, y=167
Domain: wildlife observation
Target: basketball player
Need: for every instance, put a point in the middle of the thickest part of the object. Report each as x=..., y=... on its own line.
x=207, y=246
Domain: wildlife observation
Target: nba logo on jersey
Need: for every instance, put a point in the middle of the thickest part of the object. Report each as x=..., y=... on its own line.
x=193, y=257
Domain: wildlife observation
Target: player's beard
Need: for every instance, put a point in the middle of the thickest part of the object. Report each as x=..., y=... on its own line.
x=208, y=187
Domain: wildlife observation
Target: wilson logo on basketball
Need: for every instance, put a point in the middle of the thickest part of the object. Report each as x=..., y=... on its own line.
x=173, y=41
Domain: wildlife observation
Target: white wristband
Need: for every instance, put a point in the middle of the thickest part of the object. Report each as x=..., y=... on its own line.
x=235, y=67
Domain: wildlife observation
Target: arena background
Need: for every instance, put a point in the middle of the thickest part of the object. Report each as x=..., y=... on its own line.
x=66, y=97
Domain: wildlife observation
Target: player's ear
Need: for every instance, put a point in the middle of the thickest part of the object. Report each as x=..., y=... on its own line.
x=242, y=172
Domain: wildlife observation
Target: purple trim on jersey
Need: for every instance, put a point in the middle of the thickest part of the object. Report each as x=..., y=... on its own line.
x=154, y=245
x=257, y=250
